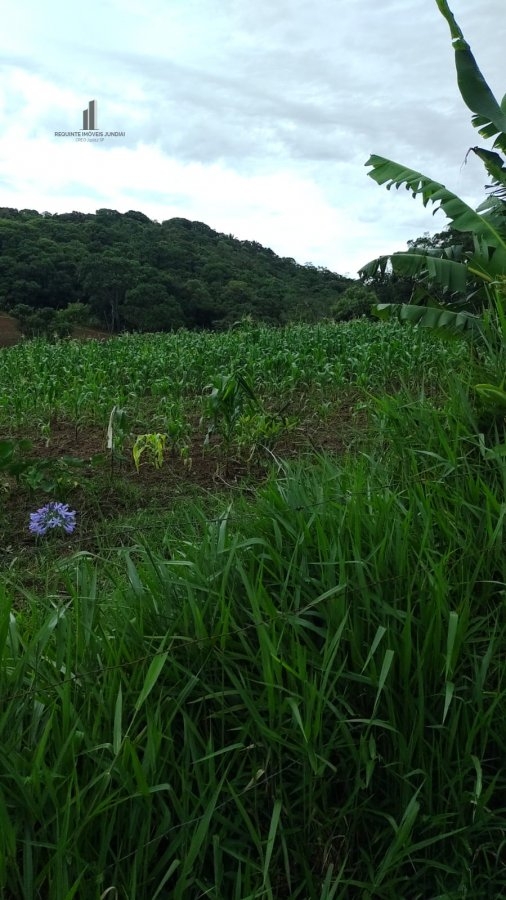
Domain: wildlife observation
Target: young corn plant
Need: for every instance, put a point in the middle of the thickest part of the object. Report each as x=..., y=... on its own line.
x=226, y=399
x=117, y=434
x=154, y=444
x=289, y=363
x=259, y=431
x=177, y=431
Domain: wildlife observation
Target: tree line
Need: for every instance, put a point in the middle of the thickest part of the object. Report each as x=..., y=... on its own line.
x=126, y=272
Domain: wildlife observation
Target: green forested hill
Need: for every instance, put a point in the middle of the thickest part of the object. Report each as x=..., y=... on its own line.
x=133, y=273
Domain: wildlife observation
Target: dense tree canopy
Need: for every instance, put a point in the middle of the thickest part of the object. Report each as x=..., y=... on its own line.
x=131, y=273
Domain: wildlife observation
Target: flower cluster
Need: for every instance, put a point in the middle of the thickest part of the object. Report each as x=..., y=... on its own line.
x=54, y=515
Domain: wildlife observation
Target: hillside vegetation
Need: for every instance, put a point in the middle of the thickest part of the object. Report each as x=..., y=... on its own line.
x=129, y=272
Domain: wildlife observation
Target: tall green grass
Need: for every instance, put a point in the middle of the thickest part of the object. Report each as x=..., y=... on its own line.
x=305, y=698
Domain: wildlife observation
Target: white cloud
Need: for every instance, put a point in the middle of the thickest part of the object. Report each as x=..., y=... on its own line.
x=254, y=118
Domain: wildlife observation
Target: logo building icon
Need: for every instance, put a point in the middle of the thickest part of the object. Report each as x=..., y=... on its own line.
x=90, y=116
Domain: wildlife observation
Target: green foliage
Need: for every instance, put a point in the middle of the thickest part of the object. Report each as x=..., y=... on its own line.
x=489, y=117
x=354, y=302
x=173, y=420
x=35, y=323
x=132, y=273
x=226, y=398
x=74, y=314
x=167, y=372
x=441, y=321
x=35, y=473
x=463, y=277
x=118, y=432
x=470, y=278
x=150, y=307
x=303, y=697
x=154, y=443
x=48, y=322
x=13, y=456
x=299, y=695
x=260, y=431
x=486, y=225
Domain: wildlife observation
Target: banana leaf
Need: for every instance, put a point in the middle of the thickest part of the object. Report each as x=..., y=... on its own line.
x=489, y=117
x=451, y=275
x=489, y=227
x=445, y=322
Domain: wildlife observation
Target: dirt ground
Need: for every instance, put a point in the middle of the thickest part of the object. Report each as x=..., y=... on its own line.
x=11, y=335
x=110, y=490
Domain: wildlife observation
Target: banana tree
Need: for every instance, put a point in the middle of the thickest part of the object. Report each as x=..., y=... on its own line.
x=471, y=279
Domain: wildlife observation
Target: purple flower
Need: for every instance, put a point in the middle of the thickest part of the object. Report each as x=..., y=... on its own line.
x=54, y=515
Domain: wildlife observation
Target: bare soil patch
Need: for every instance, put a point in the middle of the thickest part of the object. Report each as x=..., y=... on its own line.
x=111, y=490
x=11, y=335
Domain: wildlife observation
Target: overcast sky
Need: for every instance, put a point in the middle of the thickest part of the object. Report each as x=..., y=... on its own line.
x=253, y=116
